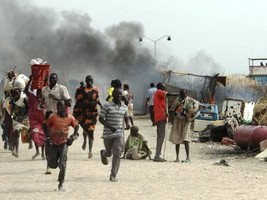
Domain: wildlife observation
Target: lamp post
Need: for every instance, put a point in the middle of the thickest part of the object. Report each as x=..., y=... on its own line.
x=155, y=43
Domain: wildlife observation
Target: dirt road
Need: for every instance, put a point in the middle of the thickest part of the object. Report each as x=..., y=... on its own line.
x=244, y=178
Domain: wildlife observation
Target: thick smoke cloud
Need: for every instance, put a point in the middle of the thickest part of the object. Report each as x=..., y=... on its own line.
x=73, y=48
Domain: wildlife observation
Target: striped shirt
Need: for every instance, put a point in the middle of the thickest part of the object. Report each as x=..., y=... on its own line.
x=114, y=115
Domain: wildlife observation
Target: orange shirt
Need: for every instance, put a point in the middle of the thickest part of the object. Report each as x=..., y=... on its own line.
x=59, y=128
x=160, y=105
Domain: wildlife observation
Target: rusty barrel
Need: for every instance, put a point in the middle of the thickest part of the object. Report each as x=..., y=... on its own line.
x=249, y=136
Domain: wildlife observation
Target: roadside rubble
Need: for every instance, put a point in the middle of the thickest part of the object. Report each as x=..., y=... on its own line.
x=242, y=102
x=222, y=163
x=241, y=124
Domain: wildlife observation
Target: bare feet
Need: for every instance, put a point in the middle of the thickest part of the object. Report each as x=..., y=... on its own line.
x=113, y=179
x=177, y=160
x=159, y=159
x=35, y=156
x=60, y=187
x=84, y=146
x=186, y=161
x=5, y=145
x=15, y=154
x=48, y=171
x=90, y=155
x=43, y=156
x=30, y=145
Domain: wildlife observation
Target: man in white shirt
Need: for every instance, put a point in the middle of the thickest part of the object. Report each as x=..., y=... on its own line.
x=149, y=101
x=53, y=93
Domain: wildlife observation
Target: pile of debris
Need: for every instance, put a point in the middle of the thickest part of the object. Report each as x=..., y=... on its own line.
x=260, y=112
x=220, y=131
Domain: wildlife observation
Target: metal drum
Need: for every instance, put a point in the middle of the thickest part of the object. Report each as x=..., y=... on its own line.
x=249, y=136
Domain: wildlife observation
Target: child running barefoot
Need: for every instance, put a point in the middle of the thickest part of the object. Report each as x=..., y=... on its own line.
x=57, y=140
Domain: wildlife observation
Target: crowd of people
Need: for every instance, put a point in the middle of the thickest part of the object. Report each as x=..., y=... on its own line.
x=43, y=116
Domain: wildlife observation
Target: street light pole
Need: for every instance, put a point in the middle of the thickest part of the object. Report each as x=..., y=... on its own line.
x=155, y=43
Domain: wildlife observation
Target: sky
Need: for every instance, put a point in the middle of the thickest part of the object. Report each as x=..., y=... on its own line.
x=217, y=35
x=101, y=38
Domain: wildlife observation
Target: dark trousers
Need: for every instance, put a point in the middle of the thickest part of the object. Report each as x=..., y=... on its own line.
x=161, y=126
x=114, y=146
x=151, y=113
x=56, y=156
x=4, y=134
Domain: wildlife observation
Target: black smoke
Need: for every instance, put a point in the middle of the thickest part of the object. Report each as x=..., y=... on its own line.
x=74, y=48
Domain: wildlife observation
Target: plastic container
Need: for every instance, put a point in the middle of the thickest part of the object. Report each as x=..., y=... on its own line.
x=210, y=112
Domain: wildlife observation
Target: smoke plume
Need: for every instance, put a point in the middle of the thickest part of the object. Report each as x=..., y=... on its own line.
x=73, y=48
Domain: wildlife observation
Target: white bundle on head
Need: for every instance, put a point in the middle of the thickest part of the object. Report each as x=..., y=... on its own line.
x=20, y=82
x=37, y=61
x=124, y=93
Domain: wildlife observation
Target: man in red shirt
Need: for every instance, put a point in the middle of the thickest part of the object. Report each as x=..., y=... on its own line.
x=57, y=141
x=160, y=114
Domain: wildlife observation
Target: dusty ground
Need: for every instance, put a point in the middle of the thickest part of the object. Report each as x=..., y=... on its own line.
x=245, y=178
